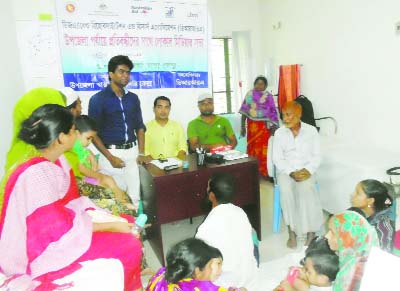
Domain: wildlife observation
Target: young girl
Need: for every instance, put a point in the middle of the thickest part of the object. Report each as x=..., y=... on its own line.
x=191, y=265
x=87, y=173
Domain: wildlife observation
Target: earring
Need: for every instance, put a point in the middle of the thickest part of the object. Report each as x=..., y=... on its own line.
x=369, y=206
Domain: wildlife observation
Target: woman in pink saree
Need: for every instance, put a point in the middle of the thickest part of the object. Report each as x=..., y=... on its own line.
x=45, y=230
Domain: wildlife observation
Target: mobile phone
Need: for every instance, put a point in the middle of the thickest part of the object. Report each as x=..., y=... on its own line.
x=171, y=167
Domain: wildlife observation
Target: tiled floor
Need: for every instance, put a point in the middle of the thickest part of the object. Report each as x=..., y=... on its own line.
x=272, y=245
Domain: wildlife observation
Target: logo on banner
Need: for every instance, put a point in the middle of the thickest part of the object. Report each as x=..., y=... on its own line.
x=70, y=7
x=193, y=15
x=170, y=12
x=102, y=6
x=141, y=9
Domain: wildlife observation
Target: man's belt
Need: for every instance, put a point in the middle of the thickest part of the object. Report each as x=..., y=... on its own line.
x=123, y=146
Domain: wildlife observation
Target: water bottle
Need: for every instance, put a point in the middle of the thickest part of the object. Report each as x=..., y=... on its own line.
x=139, y=224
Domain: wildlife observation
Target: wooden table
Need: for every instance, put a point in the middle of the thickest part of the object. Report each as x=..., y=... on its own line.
x=178, y=194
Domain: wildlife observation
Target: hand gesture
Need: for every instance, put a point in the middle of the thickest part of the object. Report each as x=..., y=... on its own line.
x=123, y=227
x=117, y=162
x=300, y=175
x=143, y=159
x=284, y=286
x=303, y=175
x=93, y=161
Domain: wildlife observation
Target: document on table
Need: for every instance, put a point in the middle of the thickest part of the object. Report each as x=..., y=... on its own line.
x=233, y=155
x=168, y=162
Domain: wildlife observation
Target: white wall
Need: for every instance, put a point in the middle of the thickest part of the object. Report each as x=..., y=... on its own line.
x=228, y=16
x=350, y=55
x=10, y=76
x=236, y=16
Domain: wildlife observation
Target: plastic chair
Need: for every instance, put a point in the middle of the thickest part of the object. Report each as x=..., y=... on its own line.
x=276, y=216
x=276, y=219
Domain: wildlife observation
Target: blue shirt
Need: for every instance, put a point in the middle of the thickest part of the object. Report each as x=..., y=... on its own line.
x=116, y=118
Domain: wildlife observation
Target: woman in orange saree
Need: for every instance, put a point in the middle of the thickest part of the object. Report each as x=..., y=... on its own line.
x=258, y=109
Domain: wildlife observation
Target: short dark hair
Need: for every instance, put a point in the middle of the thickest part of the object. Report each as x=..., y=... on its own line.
x=263, y=79
x=161, y=98
x=45, y=125
x=318, y=243
x=223, y=187
x=378, y=191
x=84, y=123
x=184, y=257
x=325, y=263
x=115, y=61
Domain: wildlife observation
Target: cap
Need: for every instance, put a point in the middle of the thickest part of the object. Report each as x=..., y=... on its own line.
x=204, y=96
x=70, y=94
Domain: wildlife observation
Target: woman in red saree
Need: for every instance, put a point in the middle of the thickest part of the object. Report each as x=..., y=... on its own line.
x=45, y=230
x=258, y=108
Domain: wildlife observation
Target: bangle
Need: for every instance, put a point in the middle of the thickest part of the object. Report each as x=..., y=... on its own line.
x=141, y=155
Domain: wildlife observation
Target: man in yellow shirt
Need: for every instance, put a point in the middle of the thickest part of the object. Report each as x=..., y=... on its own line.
x=164, y=138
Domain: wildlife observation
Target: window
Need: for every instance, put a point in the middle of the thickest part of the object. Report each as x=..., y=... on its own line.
x=221, y=66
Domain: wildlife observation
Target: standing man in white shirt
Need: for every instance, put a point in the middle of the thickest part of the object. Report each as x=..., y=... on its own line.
x=296, y=155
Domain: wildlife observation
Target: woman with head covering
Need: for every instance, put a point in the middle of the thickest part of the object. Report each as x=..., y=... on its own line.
x=258, y=108
x=39, y=189
x=22, y=110
x=19, y=150
x=352, y=237
x=372, y=197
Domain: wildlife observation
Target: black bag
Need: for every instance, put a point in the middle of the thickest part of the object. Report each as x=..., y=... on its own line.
x=215, y=159
x=308, y=111
x=393, y=186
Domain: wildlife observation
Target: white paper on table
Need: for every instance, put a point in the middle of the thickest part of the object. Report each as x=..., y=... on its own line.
x=233, y=155
x=168, y=162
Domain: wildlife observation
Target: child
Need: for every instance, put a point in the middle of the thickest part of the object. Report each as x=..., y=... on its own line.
x=191, y=265
x=320, y=267
x=85, y=168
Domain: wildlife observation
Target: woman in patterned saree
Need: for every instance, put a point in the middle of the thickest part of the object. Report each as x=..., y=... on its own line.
x=352, y=237
x=258, y=108
x=39, y=189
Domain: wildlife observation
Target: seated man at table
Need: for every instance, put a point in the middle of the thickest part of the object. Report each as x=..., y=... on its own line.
x=209, y=130
x=296, y=155
x=228, y=229
x=164, y=138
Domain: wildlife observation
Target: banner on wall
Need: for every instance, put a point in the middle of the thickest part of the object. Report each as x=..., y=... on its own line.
x=167, y=42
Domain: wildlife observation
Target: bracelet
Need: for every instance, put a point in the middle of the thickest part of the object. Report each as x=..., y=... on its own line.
x=141, y=155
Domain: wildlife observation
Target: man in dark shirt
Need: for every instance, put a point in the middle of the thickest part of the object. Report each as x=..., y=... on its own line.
x=120, y=128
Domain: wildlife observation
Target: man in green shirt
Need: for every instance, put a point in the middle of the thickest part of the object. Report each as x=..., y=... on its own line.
x=209, y=130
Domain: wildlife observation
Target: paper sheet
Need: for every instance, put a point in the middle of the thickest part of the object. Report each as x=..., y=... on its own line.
x=169, y=162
